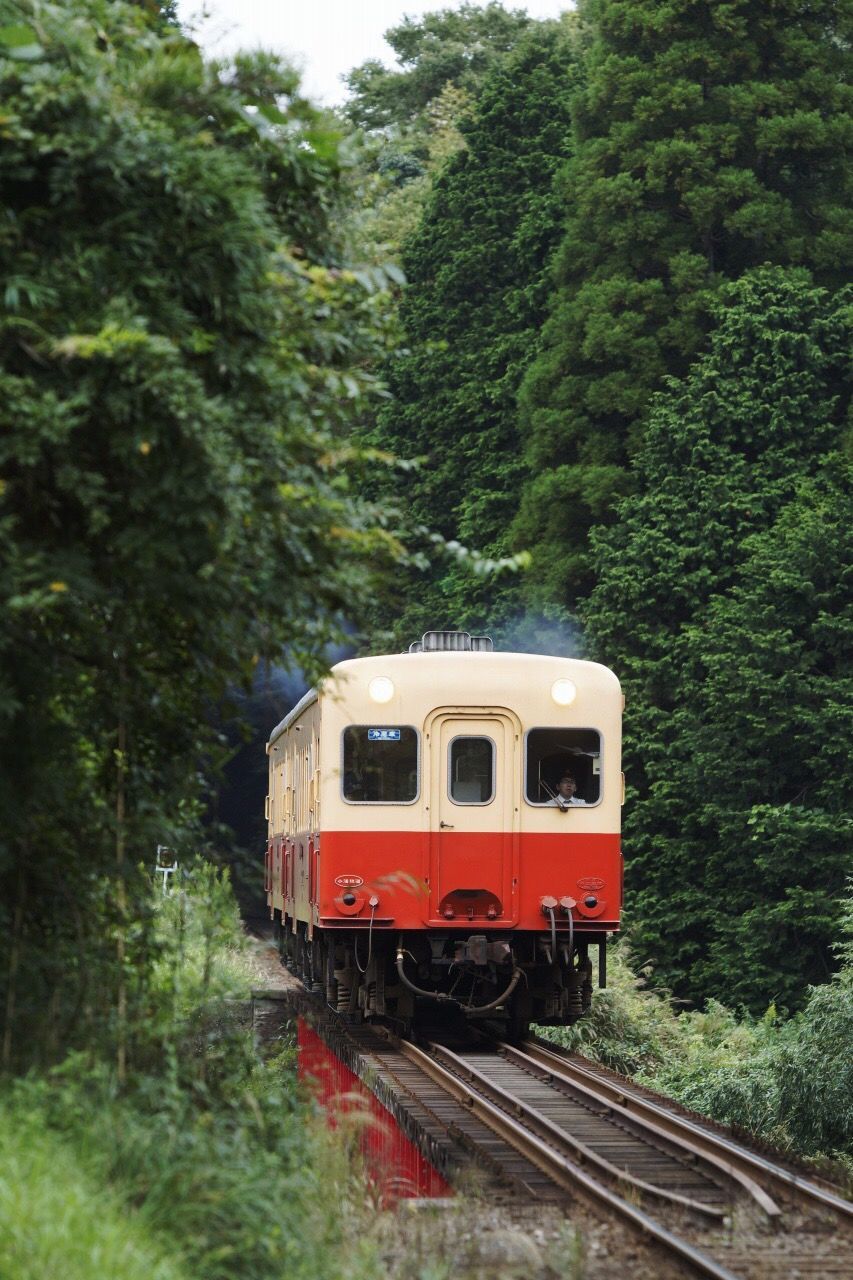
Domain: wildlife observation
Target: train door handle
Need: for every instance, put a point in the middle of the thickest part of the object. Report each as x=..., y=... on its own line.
x=449, y=825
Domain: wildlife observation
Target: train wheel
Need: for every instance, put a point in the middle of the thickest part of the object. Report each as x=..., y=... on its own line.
x=289, y=947
x=302, y=955
x=317, y=964
x=517, y=1030
x=331, y=981
x=518, y=1018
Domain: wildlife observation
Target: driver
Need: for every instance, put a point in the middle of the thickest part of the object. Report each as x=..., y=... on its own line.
x=566, y=788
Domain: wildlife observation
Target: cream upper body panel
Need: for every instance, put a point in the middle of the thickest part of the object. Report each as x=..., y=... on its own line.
x=428, y=686
x=293, y=796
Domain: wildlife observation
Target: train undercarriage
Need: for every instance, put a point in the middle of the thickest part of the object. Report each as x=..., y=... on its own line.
x=406, y=979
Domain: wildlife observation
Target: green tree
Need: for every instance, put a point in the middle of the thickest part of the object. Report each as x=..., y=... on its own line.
x=170, y=510
x=710, y=138
x=477, y=292
x=457, y=46
x=410, y=115
x=393, y=177
x=773, y=709
x=723, y=604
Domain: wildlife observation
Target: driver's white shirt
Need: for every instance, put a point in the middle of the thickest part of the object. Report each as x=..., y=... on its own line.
x=556, y=803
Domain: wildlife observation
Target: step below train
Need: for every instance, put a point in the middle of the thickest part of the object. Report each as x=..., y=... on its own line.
x=444, y=834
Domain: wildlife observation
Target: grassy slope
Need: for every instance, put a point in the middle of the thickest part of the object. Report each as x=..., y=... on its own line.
x=57, y=1220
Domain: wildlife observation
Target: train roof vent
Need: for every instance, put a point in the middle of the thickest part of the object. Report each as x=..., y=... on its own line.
x=451, y=642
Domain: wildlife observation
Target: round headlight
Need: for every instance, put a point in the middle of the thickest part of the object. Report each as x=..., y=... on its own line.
x=381, y=689
x=564, y=692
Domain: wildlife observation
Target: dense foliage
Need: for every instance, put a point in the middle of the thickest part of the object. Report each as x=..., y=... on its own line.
x=709, y=138
x=409, y=115
x=733, y=564
x=173, y=382
x=625, y=239
x=477, y=290
x=456, y=46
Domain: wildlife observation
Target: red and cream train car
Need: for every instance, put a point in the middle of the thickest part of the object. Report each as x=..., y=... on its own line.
x=424, y=849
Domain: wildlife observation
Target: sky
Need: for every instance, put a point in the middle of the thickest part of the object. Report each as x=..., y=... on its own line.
x=324, y=37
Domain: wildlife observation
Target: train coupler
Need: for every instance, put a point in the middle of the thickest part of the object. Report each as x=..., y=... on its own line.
x=478, y=950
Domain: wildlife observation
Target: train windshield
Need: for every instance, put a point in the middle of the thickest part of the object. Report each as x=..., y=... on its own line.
x=380, y=764
x=554, y=754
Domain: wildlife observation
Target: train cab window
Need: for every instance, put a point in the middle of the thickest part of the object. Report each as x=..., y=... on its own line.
x=380, y=764
x=552, y=753
x=471, y=775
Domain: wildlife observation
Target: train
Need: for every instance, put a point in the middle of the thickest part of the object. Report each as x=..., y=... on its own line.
x=444, y=835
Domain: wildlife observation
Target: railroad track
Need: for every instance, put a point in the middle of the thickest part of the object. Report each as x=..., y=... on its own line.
x=721, y=1210
x=549, y=1121
x=773, y=1179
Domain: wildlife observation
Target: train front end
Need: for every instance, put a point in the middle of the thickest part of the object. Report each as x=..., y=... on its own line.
x=467, y=853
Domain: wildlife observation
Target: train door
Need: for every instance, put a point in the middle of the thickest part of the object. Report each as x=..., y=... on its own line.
x=474, y=798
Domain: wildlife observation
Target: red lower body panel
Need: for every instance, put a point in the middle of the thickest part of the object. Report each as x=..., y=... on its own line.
x=488, y=880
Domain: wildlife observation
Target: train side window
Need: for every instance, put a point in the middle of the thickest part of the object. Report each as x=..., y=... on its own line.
x=471, y=772
x=551, y=753
x=381, y=764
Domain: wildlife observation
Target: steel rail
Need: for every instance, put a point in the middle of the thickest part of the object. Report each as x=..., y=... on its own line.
x=564, y=1138
x=633, y=1104
x=534, y=1056
x=558, y=1167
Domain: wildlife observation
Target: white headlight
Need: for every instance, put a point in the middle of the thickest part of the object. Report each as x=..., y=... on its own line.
x=564, y=692
x=381, y=689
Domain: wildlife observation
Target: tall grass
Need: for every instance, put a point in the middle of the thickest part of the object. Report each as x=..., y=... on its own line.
x=56, y=1219
x=240, y=1184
